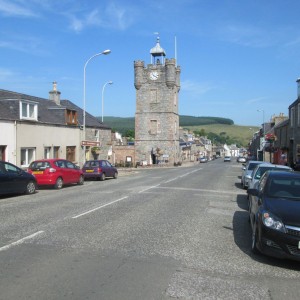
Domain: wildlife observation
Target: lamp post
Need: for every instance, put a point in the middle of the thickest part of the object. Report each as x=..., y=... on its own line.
x=109, y=82
x=105, y=52
x=263, y=130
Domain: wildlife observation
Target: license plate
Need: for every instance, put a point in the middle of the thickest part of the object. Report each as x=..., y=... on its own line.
x=38, y=172
x=89, y=171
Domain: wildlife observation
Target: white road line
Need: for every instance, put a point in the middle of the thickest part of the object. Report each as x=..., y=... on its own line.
x=149, y=188
x=203, y=190
x=92, y=210
x=182, y=175
x=20, y=241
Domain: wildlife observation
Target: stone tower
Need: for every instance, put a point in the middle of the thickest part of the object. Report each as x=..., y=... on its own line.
x=156, y=119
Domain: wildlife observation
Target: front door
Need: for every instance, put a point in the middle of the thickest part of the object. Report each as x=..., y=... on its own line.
x=2, y=152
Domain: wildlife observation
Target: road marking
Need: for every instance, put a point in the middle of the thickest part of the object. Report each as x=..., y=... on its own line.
x=21, y=241
x=183, y=175
x=203, y=190
x=149, y=188
x=92, y=210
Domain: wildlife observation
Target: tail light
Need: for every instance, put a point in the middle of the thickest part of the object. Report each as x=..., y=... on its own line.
x=99, y=170
x=52, y=170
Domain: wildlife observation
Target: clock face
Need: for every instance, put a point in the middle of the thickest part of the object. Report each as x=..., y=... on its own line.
x=154, y=75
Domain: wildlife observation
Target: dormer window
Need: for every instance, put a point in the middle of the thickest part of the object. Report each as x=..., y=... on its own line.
x=28, y=110
x=71, y=117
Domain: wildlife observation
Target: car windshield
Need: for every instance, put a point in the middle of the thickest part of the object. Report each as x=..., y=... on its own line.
x=252, y=167
x=262, y=170
x=284, y=188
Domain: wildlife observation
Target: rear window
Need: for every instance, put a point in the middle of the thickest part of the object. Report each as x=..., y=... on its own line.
x=91, y=164
x=39, y=165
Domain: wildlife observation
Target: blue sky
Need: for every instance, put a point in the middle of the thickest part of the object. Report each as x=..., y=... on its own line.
x=236, y=57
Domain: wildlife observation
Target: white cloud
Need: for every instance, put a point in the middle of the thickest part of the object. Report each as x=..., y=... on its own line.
x=256, y=100
x=6, y=74
x=249, y=36
x=11, y=8
x=196, y=88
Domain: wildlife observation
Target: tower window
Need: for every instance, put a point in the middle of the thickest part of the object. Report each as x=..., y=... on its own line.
x=153, y=96
x=153, y=127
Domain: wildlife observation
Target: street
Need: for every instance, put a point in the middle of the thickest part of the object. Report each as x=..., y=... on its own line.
x=161, y=233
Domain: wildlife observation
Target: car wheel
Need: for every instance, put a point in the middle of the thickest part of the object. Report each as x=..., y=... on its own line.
x=254, y=241
x=116, y=175
x=59, y=183
x=102, y=177
x=81, y=180
x=30, y=188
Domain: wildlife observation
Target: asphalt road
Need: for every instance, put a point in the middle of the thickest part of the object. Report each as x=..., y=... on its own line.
x=166, y=233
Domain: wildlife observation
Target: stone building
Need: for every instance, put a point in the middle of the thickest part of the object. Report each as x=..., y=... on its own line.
x=156, y=119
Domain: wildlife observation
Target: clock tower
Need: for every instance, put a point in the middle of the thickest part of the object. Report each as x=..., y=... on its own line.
x=156, y=119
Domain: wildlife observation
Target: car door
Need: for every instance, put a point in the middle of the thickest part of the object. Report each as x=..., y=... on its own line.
x=5, y=184
x=13, y=181
x=72, y=170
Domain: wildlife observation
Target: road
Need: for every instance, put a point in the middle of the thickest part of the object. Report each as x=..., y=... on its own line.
x=165, y=233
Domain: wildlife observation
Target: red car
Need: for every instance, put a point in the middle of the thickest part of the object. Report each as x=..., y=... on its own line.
x=56, y=172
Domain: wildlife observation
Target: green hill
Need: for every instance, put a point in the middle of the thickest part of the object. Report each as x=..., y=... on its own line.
x=220, y=130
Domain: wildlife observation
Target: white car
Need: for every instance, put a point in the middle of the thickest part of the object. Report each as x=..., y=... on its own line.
x=227, y=158
x=260, y=170
x=247, y=171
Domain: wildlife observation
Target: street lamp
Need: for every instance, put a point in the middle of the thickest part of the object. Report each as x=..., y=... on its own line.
x=109, y=82
x=261, y=110
x=105, y=52
x=263, y=131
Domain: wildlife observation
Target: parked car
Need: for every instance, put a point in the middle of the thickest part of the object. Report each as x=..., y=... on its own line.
x=227, y=158
x=203, y=159
x=260, y=170
x=99, y=169
x=56, y=172
x=247, y=171
x=241, y=159
x=14, y=180
x=274, y=215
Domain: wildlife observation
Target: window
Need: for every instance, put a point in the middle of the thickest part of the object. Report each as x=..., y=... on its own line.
x=298, y=114
x=27, y=156
x=153, y=126
x=292, y=116
x=55, y=152
x=71, y=117
x=47, y=151
x=153, y=96
x=70, y=155
x=70, y=165
x=28, y=110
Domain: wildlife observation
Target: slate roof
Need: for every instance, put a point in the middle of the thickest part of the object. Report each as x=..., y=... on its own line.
x=48, y=111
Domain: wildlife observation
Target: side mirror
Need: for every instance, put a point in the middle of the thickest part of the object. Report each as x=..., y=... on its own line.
x=253, y=192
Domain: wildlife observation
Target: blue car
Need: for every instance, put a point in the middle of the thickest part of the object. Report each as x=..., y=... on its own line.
x=99, y=170
x=14, y=180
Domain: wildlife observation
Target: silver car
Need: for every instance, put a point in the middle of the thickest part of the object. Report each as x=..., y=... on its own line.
x=247, y=171
x=260, y=170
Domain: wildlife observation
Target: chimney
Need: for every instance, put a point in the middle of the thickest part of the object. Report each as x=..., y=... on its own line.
x=298, y=87
x=54, y=95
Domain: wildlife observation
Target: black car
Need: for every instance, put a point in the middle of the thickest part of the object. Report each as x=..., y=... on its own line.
x=274, y=212
x=99, y=169
x=14, y=180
